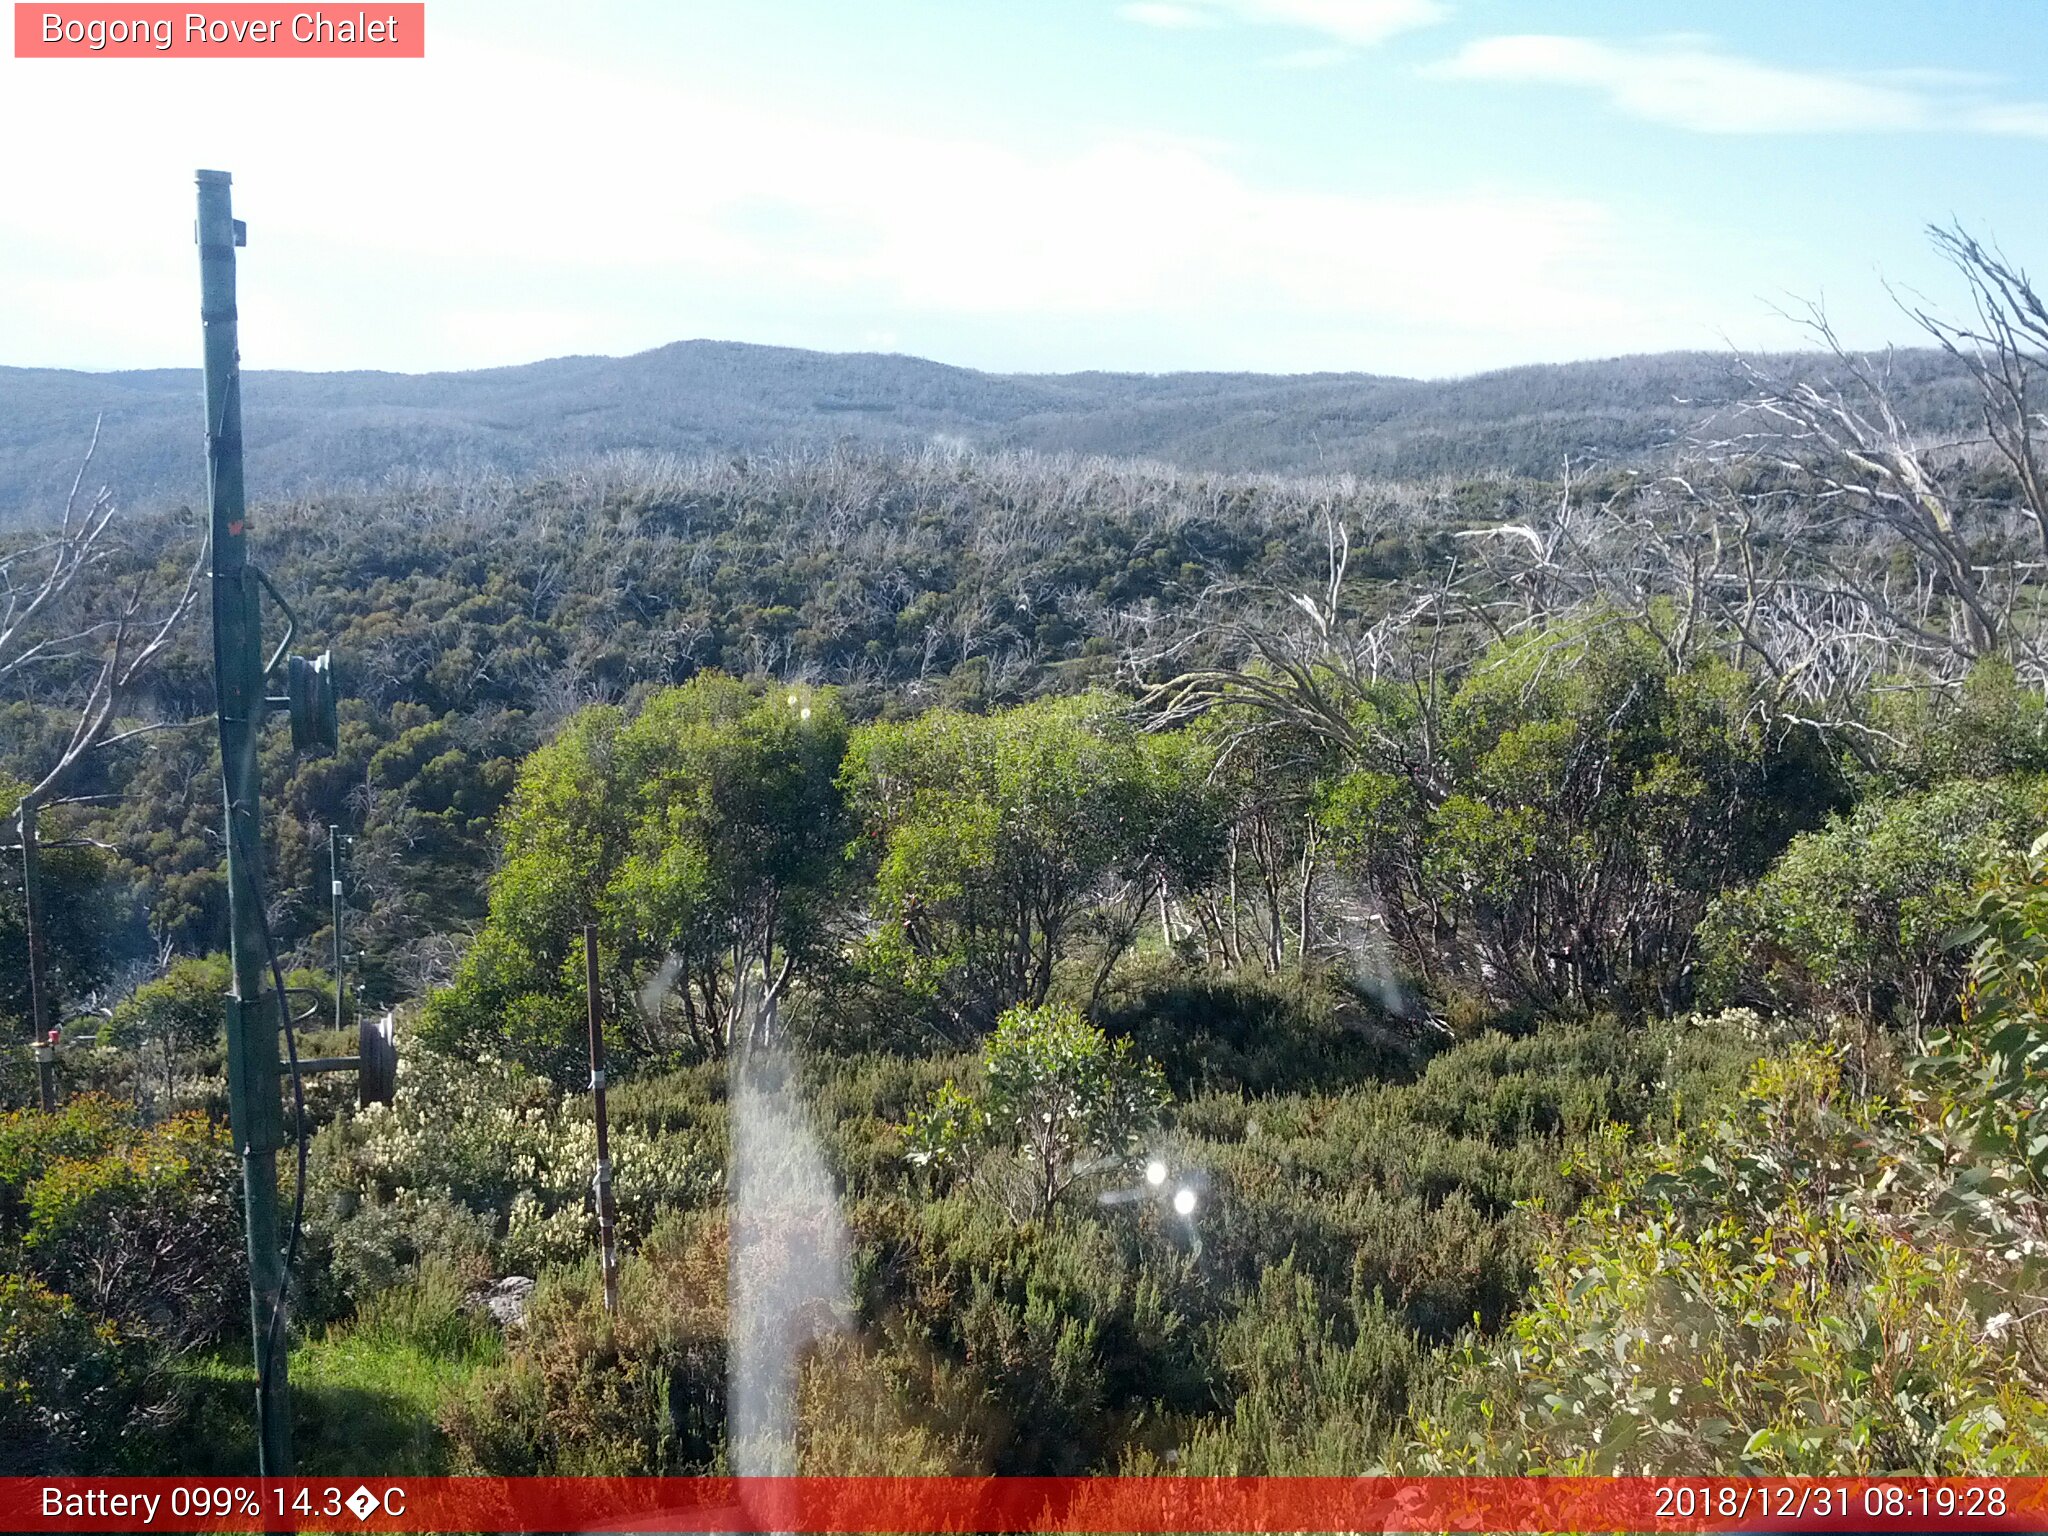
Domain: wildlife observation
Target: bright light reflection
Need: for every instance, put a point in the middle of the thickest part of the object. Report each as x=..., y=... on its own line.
x=1184, y=1202
x=1155, y=1172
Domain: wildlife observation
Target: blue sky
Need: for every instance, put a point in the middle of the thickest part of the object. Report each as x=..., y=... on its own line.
x=1424, y=187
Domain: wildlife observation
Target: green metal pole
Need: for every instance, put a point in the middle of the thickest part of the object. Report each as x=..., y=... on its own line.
x=253, y=1107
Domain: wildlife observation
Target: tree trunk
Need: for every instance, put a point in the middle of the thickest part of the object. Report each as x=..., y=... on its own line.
x=1308, y=886
x=1233, y=947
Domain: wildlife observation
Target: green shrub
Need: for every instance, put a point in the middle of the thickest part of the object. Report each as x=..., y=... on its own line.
x=1375, y=1221
x=1981, y=1089
x=139, y=1226
x=19, y=1085
x=583, y=1394
x=1313, y=1391
x=71, y=1389
x=1003, y=844
x=85, y=1126
x=860, y=1105
x=1037, y=1340
x=1046, y=1358
x=1057, y=1092
x=1766, y=1299
x=1551, y=833
x=688, y=1101
x=1994, y=726
x=430, y=1311
x=1853, y=919
x=864, y=1412
x=377, y=1245
x=702, y=834
x=1234, y=1032
x=182, y=1010
x=1412, y=1216
x=1409, y=1191
x=941, y=1137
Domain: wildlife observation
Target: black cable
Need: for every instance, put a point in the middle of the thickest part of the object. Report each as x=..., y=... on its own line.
x=273, y=1331
x=291, y=1048
x=266, y=1359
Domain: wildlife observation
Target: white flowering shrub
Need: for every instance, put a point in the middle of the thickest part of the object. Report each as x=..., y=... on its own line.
x=497, y=1141
x=536, y=1237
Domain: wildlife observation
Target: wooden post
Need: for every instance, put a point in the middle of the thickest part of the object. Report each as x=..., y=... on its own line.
x=607, y=1223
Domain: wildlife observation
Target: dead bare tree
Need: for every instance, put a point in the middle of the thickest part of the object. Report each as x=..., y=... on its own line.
x=36, y=578
x=1300, y=676
x=1309, y=662
x=42, y=629
x=1845, y=448
x=2005, y=347
x=1852, y=543
x=1832, y=542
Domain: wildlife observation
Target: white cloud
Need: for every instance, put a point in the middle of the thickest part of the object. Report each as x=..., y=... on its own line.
x=1936, y=78
x=1358, y=23
x=1687, y=82
x=459, y=227
x=2019, y=119
x=1689, y=86
x=1351, y=23
x=524, y=332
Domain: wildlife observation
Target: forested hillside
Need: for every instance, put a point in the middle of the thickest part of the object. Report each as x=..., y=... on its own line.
x=473, y=617
x=1166, y=970
x=312, y=431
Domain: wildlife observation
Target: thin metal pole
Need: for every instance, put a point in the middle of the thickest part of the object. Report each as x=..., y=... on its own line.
x=38, y=963
x=607, y=1222
x=252, y=1027
x=46, y=1073
x=334, y=870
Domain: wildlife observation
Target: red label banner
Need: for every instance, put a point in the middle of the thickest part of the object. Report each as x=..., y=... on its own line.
x=231, y=31
x=982, y=1504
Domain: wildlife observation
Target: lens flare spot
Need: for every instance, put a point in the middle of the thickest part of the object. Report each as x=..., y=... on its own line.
x=1184, y=1202
x=1155, y=1173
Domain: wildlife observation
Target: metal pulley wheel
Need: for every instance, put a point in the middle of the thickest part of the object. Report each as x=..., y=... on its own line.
x=376, y=1060
x=309, y=690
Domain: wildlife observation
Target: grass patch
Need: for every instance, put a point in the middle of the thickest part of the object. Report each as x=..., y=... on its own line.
x=366, y=1395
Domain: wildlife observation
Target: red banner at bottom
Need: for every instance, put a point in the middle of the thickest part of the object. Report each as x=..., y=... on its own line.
x=985, y=1504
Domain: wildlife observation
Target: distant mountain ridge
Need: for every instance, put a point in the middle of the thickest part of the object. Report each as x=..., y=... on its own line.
x=308, y=430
